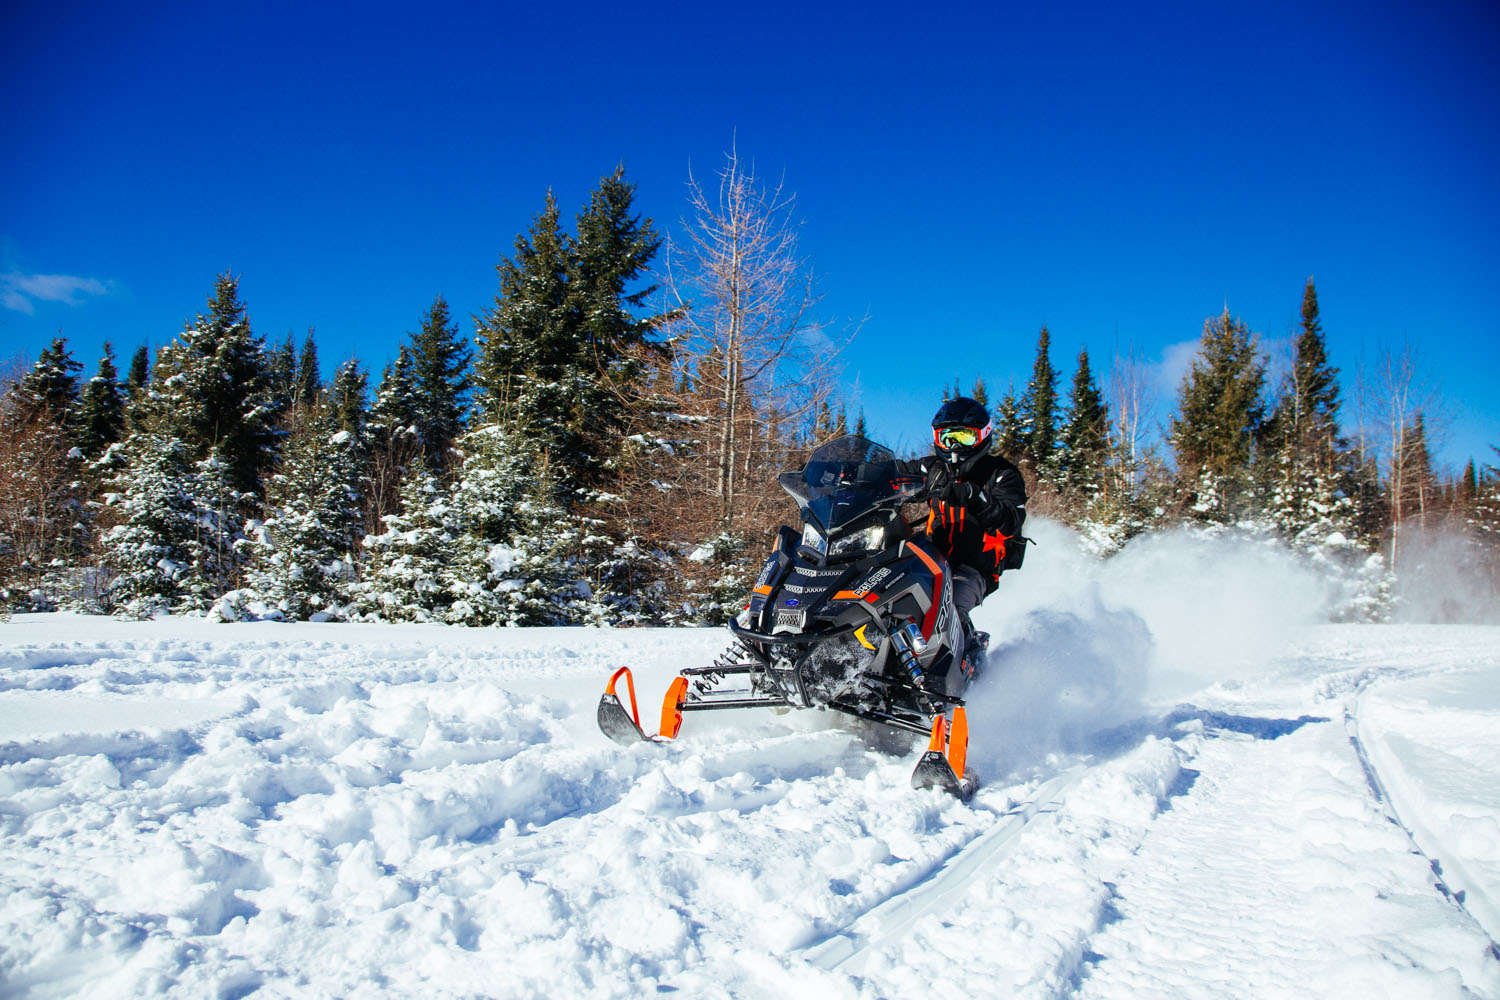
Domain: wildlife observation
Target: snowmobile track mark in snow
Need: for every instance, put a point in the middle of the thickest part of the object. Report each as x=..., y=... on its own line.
x=895, y=915
x=1474, y=909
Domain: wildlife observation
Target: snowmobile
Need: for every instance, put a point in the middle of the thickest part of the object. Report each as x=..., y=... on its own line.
x=852, y=613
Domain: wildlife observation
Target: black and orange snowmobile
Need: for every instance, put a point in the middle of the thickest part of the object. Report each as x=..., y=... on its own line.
x=853, y=613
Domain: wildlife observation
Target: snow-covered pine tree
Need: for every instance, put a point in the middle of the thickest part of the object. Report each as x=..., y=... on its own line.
x=405, y=565
x=1309, y=472
x=43, y=521
x=150, y=551
x=309, y=383
x=440, y=383
x=51, y=386
x=523, y=337
x=302, y=556
x=211, y=389
x=1219, y=420
x=1010, y=432
x=613, y=250
x=522, y=558
x=101, y=409
x=140, y=370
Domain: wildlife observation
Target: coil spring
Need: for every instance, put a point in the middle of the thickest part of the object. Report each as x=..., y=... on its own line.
x=732, y=654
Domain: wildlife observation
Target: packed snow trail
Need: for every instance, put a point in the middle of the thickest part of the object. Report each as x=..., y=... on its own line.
x=329, y=810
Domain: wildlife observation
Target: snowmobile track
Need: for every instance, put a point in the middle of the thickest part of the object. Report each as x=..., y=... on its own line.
x=894, y=916
x=1388, y=804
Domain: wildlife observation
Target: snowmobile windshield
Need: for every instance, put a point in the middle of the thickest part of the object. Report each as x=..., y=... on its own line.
x=846, y=479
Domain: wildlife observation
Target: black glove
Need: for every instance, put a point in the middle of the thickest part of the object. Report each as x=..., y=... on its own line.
x=957, y=493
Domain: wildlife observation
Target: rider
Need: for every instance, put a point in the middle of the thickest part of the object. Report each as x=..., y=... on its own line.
x=977, y=500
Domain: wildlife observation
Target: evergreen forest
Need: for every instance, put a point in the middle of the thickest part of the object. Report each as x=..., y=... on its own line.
x=600, y=445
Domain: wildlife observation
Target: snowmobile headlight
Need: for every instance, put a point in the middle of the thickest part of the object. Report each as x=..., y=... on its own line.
x=814, y=539
x=858, y=542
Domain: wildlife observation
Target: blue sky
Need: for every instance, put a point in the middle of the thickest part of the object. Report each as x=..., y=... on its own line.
x=966, y=172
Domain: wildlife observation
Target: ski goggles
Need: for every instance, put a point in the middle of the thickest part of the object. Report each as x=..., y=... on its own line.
x=948, y=438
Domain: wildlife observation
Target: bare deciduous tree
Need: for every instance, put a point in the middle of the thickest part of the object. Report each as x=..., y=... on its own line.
x=742, y=296
x=1393, y=398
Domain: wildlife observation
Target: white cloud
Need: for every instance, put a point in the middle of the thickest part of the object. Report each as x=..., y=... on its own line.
x=1167, y=374
x=19, y=292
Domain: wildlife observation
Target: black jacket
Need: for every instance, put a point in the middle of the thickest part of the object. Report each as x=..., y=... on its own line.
x=977, y=532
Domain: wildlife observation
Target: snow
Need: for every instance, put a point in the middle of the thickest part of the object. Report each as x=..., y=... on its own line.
x=1206, y=796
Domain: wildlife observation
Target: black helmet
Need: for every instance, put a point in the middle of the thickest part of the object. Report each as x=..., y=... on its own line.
x=960, y=428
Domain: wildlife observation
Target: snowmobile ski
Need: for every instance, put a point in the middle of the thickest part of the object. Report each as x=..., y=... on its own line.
x=625, y=727
x=943, y=763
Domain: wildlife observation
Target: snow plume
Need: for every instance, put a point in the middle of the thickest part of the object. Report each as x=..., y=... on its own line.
x=1078, y=644
x=1444, y=577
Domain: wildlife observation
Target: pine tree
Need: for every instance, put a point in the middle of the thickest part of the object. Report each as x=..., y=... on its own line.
x=212, y=390
x=149, y=551
x=1039, y=405
x=347, y=398
x=1219, y=418
x=1085, y=436
x=860, y=427
x=440, y=382
x=980, y=393
x=43, y=521
x=405, y=565
x=302, y=556
x=101, y=409
x=51, y=386
x=140, y=370
x=309, y=382
x=1308, y=468
x=281, y=364
x=216, y=550
x=614, y=248
x=522, y=337
x=1010, y=431
x=521, y=558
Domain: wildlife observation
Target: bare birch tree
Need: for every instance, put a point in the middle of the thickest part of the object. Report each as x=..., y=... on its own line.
x=743, y=294
x=1392, y=397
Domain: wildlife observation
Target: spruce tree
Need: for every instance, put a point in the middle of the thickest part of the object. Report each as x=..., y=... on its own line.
x=980, y=393
x=347, y=398
x=302, y=562
x=440, y=382
x=212, y=391
x=1085, y=435
x=1219, y=418
x=51, y=386
x=101, y=409
x=613, y=250
x=1039, y=406
x=521, y=558
x=140, y=370
x=1010, y=430
x=309, y=382
x=406, y=564
x=1309, y=471
x=523, y=336
x=149, y=552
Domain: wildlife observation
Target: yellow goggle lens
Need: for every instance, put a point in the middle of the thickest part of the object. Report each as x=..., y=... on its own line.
x=958, y=437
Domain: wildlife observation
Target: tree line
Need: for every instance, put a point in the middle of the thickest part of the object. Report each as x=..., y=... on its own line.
x=1239, y=454
x=603, y=447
